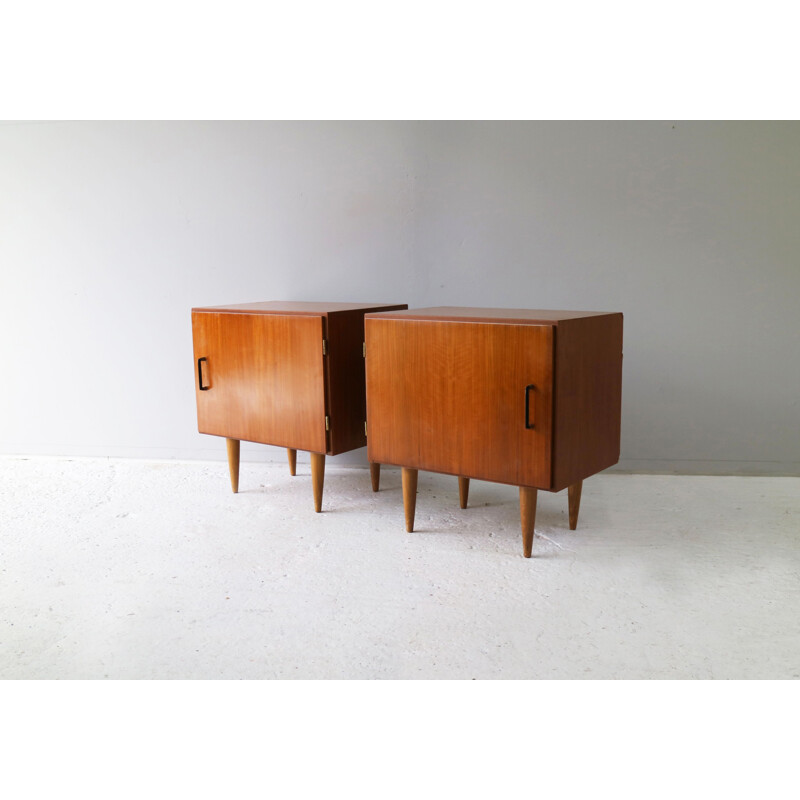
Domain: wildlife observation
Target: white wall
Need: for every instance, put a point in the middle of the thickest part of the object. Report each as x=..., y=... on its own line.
x=111, y=232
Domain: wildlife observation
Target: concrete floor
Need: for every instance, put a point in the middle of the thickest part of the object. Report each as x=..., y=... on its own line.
x=137, y=569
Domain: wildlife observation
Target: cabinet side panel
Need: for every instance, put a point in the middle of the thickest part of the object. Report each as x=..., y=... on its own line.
x=347, y=403
x=450, y=397
x=588, y=397
x=265, y=379
x=346, y=389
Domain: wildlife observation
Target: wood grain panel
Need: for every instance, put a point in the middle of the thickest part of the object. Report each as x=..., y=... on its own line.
x=265, y=378
x=588, y=397
x=521, y=316
x=347, y=404
x=297, y=307
x=450, y=397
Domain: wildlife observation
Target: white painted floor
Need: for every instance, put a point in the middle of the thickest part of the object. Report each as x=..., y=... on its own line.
x=137, y=569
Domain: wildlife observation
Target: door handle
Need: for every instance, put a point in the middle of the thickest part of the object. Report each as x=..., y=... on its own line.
x=528, y=423
x=200, y=374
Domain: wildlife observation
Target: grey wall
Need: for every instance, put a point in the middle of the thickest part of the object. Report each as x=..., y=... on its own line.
x=110, y=233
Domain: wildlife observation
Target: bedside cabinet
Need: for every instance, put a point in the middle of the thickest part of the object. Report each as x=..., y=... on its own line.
x=529, y=398
x=285, y=374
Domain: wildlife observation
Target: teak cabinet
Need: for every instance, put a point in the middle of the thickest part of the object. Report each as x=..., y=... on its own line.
x=285, y=374
x=529, y=398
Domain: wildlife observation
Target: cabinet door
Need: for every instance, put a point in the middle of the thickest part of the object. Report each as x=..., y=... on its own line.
x=452, y=397
x=264, y=378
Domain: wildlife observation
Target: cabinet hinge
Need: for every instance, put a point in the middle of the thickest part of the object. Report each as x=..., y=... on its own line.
x=324, y=347
x=364, y=349
x=327, y=423
x=365, y=427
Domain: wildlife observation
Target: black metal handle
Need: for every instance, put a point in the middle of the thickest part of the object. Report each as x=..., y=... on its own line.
x=528, y=423
x=200, y=375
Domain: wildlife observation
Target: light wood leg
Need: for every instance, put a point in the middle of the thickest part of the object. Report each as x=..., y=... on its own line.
x=233, y=463
x=375, y=476
x=527, y=513
x=317, y=478
x=463, y=491
x=292, y=460
x=409, y=496
x=574, y=496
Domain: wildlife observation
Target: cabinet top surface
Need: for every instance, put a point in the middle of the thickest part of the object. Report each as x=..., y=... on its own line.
x=516, y=315
x=293, y=307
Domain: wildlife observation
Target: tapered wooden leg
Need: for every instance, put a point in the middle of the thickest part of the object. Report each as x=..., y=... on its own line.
x=527, y=513
x=463, y=491
x=574, y=496
x=410, y=496
x=233, y=463
x=375, y=476
x=317, y=478
x=292, y=460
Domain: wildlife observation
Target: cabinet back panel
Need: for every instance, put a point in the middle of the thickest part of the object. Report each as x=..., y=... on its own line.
x=265, y=378
x=450, y=397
